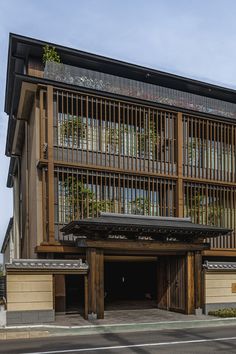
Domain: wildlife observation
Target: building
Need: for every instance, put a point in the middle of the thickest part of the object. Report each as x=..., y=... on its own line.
x=126, y=167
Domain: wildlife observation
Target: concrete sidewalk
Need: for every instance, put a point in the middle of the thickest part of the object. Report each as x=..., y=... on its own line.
x=115, y=322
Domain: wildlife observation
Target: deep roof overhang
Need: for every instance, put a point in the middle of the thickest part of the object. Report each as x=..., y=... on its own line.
x=21, y=48
x=136, y=226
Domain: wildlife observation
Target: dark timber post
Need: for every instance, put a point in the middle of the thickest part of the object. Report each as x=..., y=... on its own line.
x=95, y=261
x=60, y=293
x=179, y=194
x=86, y=297
x=100, y=283
x=162, y=283
x=190, y=276
x=198, y=280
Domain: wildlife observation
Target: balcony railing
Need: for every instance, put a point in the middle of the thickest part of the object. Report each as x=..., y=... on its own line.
x=122, y=86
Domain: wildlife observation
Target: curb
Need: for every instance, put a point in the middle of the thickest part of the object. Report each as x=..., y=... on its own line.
x=39, y=331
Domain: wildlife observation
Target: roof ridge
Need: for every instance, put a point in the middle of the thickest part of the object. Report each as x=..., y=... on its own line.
x=150, y=217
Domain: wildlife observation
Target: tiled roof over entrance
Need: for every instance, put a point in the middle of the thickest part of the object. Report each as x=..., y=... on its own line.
x=138, y=225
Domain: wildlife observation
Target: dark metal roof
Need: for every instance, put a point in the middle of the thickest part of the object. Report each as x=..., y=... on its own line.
x=47, y=264
x=137, y=225
x=7, y=235
x=21, y=47
x=219, y=265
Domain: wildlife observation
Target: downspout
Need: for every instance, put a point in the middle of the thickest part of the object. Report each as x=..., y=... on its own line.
x=27, y=192
x=19, y=201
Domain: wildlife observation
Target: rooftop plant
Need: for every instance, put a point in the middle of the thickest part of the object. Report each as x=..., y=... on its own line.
x=50, y=54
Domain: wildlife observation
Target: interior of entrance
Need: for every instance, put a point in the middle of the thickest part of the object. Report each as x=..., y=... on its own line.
x=130, y=284
x=74, y=293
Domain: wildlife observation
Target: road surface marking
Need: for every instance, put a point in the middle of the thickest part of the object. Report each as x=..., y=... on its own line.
x=134, y=346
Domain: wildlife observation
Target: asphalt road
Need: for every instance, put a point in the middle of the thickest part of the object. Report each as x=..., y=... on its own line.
x=198, y=340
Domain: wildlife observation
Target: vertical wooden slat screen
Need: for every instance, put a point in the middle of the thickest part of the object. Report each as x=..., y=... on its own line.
x=212, y=205
x=209, y=149
x=83, y=193
x=137, y=145
x=99, y=131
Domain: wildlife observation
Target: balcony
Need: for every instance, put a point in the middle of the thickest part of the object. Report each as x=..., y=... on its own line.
x=103, y=82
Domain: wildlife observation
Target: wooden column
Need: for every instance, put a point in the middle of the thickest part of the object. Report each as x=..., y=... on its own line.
x=91, y=259
x=60, y=293
x=95, y=261
x=50, y=148
x=86, y=297
x=162, y=283
x=179, y=145
x=190, y=280
x=198, y=280
x=100, y=284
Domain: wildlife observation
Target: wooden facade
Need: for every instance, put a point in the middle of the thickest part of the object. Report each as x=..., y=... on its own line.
x=118, y=156
x=95, y=135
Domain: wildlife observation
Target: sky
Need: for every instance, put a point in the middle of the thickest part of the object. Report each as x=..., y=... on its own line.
x=192, y=38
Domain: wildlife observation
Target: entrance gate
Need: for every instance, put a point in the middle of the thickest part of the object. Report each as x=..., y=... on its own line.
x=176, y=242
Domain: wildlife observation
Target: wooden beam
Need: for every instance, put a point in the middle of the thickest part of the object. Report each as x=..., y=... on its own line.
x=56, y=249
x=96, y=167
x=122, y=258
x=209, y=181
x=220, y=252
x=140, y=246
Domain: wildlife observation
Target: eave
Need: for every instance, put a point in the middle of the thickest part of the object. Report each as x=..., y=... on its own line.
x=138, y=227
x=21, y=47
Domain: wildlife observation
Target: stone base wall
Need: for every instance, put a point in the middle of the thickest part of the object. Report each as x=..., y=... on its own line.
x=29, y=317
x=218, y=306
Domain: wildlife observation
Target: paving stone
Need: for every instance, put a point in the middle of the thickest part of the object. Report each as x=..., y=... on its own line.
x=128, y=316
x=37, y=334
x=3, y=336
x=17, y=335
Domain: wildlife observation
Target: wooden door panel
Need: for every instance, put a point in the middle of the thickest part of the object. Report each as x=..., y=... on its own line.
x=162, y=283
x=177, y=287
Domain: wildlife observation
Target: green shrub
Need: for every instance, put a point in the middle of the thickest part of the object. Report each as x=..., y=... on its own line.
x=230, y=312
x=50, y=54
